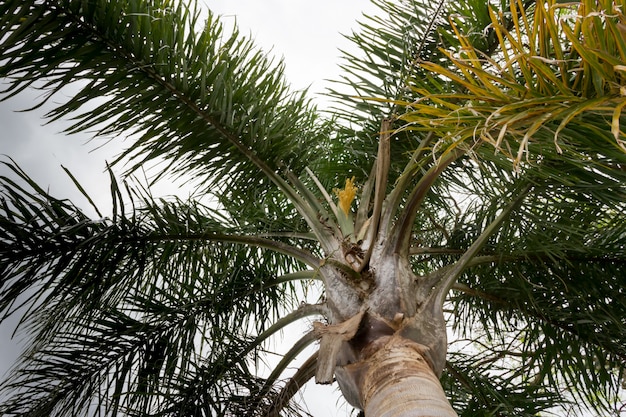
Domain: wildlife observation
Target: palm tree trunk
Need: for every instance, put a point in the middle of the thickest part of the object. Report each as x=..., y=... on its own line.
x=399, y=382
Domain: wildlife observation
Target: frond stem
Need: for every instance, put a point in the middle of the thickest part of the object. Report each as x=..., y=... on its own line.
x=305, y=372
x=291, y=355
x=383, y=162
x=455, y=270
x=302, y=312
x=402, y=183
x=401, y=235
x=299, y=254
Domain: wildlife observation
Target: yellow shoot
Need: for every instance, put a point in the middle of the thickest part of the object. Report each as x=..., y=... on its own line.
x=346, y=196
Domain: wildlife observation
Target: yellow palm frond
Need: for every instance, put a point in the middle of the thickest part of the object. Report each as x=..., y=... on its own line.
x=558, y=65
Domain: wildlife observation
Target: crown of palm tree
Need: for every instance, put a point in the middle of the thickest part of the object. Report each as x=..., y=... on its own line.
x=483, y=142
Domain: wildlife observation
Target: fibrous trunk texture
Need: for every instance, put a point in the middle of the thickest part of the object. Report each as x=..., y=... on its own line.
x=399, y=382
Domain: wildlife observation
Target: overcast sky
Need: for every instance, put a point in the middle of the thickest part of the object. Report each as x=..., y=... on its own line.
x=306, y=34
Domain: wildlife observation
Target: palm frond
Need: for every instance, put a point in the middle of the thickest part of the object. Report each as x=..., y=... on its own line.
x=208, y=103
x=389, y=44
x=136, y=301
x=478, y=387
x=552, y=277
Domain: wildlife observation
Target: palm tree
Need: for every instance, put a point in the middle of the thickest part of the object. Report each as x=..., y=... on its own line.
x=471, y=178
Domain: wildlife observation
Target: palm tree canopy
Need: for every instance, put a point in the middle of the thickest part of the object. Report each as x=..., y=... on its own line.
x=484, y=142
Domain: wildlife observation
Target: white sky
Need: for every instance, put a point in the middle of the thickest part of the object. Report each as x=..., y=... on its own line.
x=306, y=34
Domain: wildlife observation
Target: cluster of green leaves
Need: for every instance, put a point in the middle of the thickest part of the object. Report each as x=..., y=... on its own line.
x=555, y=272
x=477, y=386
x=388, y=45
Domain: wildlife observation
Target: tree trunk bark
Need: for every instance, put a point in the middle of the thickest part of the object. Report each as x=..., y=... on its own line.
x=399, y=382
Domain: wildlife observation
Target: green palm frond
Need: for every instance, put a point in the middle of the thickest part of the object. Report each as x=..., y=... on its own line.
x=208, y=103
x=551, y=276
x=562, y=243
x=408, y=33
x=479, y=387
x=136, y=301
x=387, y=73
